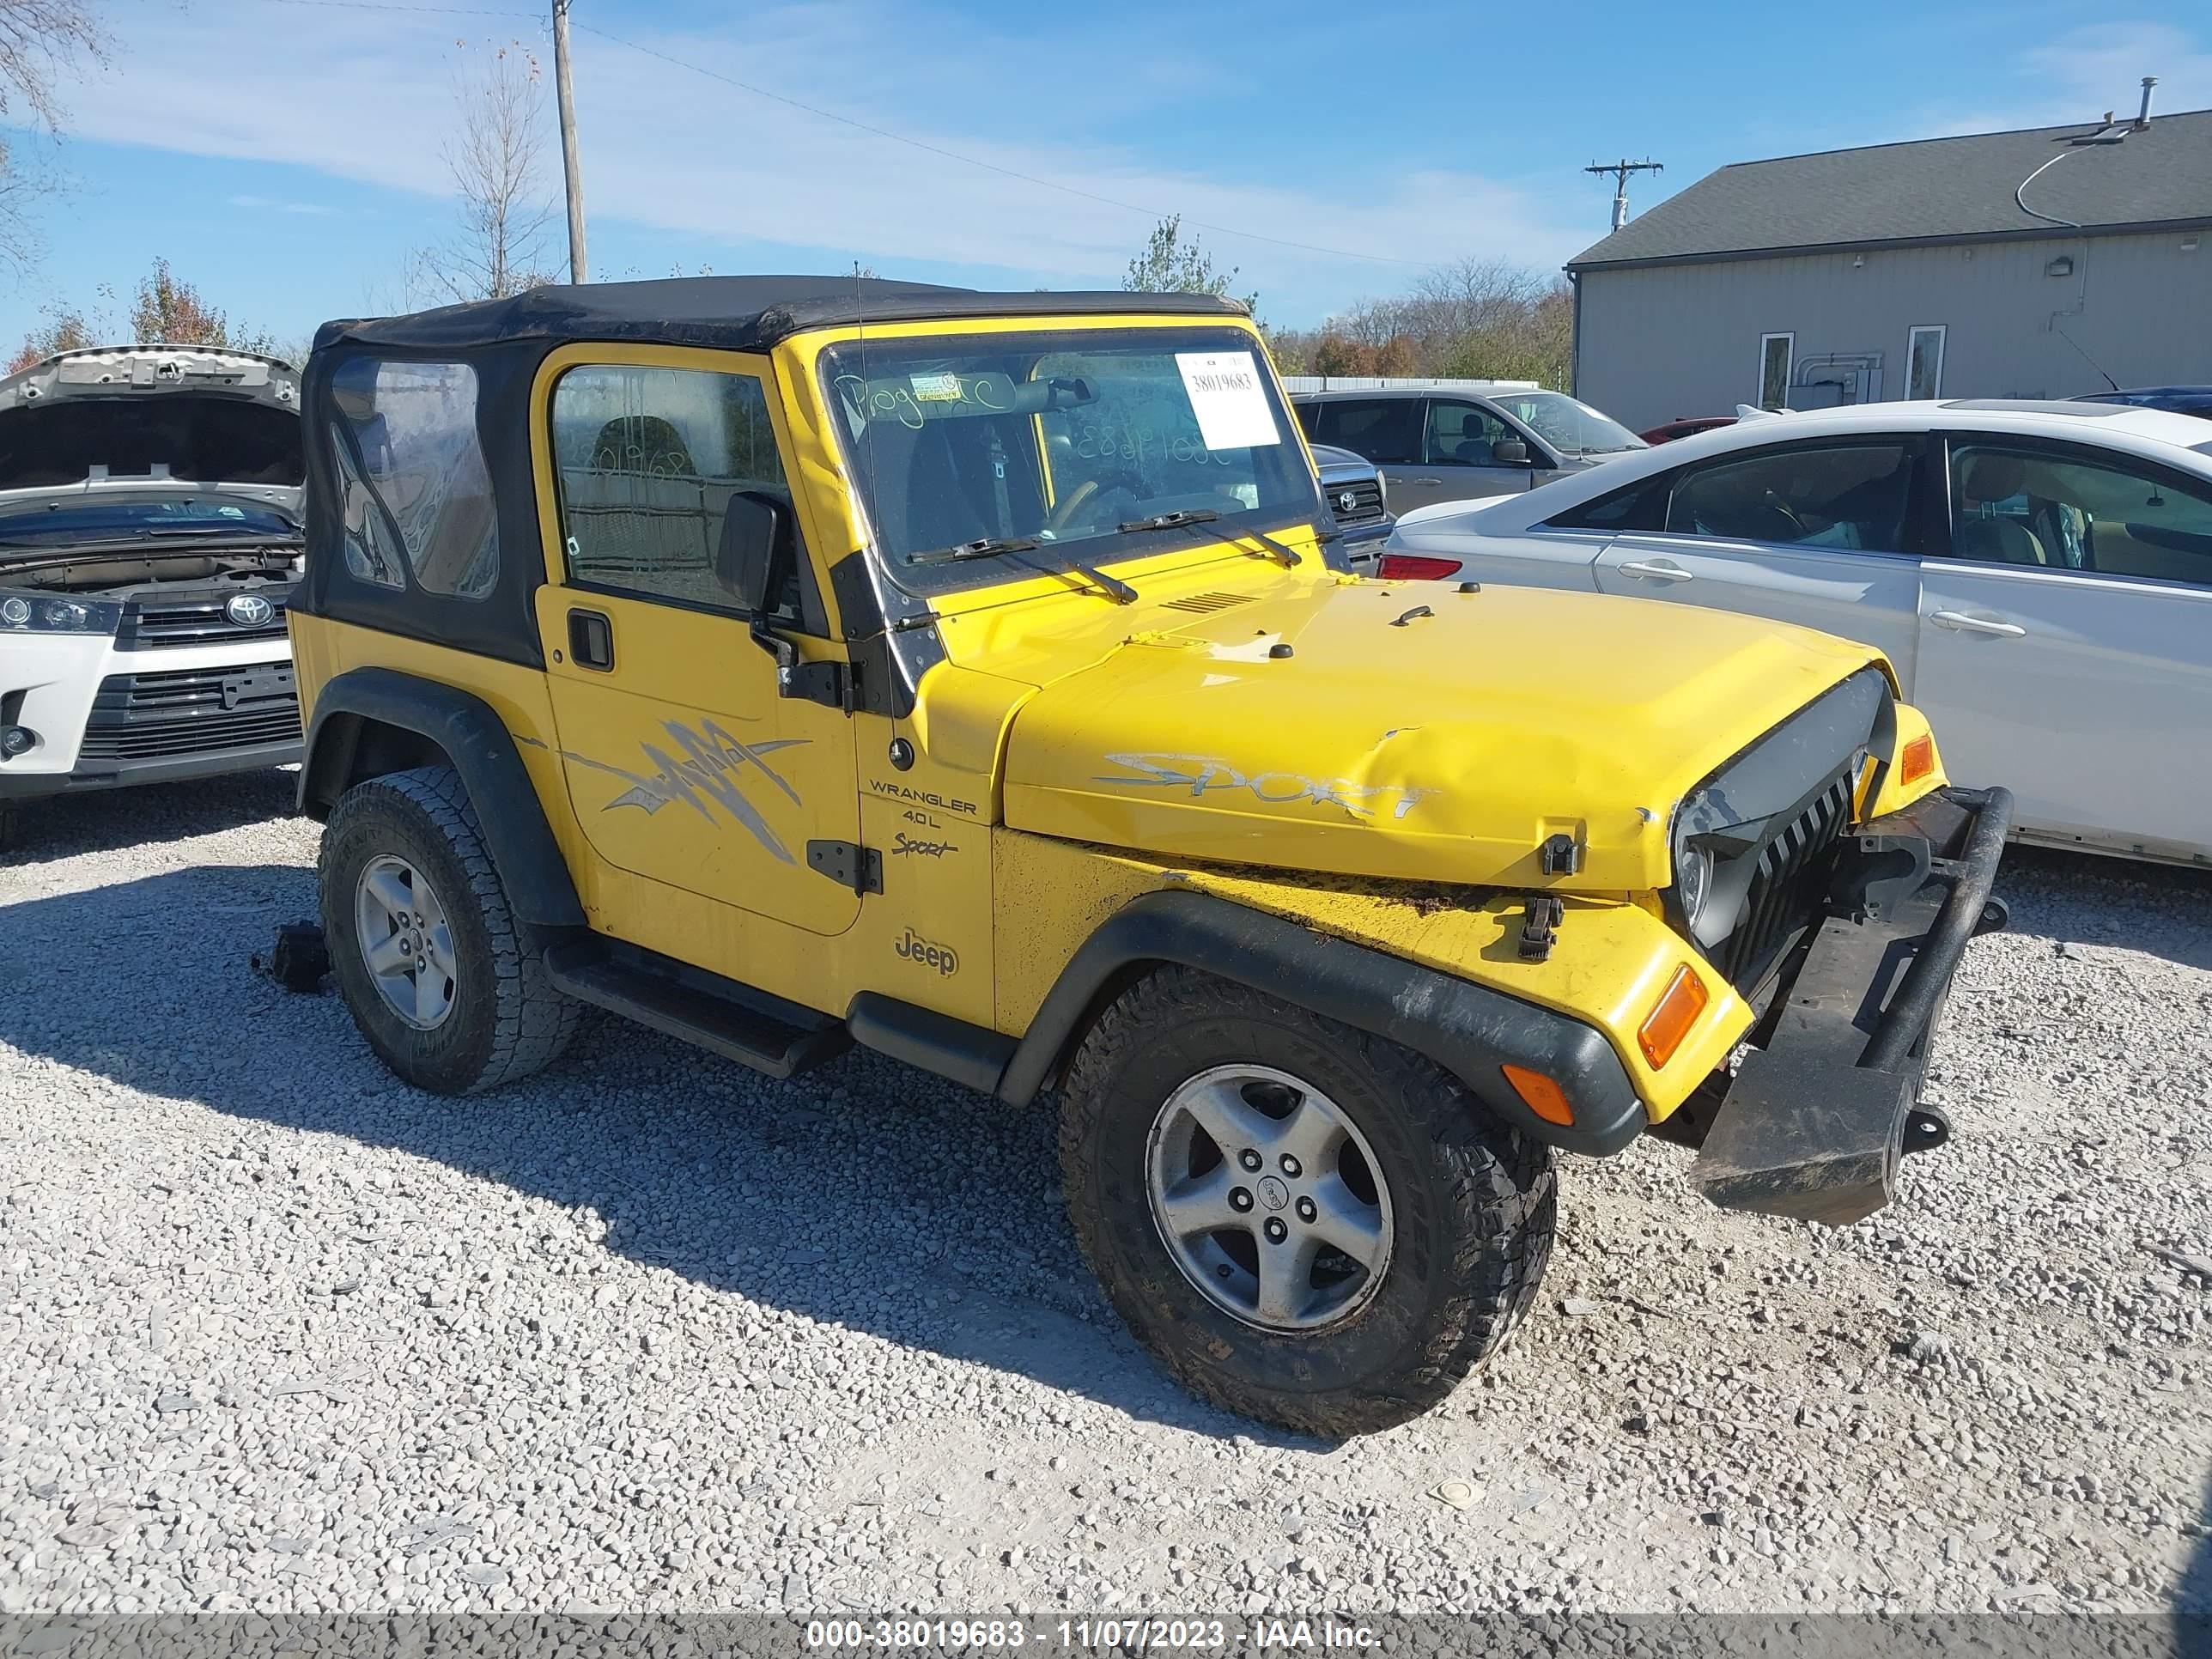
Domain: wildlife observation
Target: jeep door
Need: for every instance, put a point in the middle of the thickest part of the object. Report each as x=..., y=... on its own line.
x=682, y=762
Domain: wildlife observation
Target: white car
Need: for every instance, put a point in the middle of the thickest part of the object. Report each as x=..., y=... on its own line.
x=149, y=537
x=2040, y=574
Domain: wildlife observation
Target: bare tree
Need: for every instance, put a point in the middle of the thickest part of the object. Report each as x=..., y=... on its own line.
x=1481, y=318
x=39, y=39
x=497, y=159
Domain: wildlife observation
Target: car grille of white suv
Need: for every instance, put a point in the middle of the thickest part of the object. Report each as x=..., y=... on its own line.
x=192, y=712
x=198, y=618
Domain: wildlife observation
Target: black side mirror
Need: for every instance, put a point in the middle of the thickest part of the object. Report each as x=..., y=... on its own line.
x=758, y=550
x=1510, y=452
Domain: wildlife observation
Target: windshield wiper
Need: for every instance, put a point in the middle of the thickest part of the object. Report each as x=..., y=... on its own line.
x=990, y=547
x=986, y=548
x=1174, y=521
x=1189, y=517
x=214, y=530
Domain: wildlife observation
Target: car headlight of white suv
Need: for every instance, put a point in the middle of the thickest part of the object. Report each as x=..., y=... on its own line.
x=55, y=613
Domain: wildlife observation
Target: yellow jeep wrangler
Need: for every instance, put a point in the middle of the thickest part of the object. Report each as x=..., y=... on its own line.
x=787, y=662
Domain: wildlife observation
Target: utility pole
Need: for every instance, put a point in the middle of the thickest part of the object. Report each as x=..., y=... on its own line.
x=571, y=168
x=1621, y=170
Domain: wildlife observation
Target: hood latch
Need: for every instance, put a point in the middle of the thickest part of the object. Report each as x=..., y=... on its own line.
x=1540, y=928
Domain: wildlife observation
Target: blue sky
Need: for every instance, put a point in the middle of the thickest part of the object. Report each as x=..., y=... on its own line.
x=286, y=157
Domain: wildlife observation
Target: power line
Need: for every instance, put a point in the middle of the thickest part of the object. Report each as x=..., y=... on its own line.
x=864, y=126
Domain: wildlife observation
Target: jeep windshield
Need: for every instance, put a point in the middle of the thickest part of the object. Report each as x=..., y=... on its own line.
x=981, y=446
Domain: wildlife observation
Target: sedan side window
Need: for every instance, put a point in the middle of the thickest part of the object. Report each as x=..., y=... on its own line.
x=1850, y=496
x=1386, y=430
x=1463, y=434
x=2026, y=504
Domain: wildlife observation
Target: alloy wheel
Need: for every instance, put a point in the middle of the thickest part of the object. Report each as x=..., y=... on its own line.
x=406, y=942
x=1268, y=1198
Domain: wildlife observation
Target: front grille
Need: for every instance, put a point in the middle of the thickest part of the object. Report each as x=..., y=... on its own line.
x=1788, y=885
x=196, y=619
x=1367, y=496
x=191, y=711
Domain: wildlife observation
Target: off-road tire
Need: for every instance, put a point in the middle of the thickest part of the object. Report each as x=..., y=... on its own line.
x=508, y=1021
x=1473, y=1209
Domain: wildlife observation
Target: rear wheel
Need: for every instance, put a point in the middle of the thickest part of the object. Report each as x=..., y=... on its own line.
x=449, y=990
x=1303, y=1223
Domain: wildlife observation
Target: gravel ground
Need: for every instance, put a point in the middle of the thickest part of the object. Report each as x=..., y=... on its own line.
x=651, y=1332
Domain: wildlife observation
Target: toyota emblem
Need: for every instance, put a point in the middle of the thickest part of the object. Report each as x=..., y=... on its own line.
x=1347, y=501
x=249, y=610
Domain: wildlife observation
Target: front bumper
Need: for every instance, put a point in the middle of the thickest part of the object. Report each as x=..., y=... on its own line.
x=166, y=769
x=1814, y=1121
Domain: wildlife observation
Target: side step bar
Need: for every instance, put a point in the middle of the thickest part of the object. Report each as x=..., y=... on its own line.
x=766, y=1033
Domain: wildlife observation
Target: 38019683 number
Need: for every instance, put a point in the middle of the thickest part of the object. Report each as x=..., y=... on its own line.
x=916, y=1633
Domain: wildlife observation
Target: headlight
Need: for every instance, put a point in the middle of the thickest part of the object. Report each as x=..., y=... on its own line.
x=1693, y=882
x=1382, y=490
x=46, y=613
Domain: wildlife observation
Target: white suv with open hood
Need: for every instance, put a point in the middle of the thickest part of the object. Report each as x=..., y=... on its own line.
x=149, y=512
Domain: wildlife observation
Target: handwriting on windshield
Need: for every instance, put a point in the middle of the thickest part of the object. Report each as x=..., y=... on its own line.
x=910, y=401
x=1136, y=441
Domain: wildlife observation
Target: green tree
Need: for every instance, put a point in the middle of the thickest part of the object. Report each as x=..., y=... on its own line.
x=1170, y=264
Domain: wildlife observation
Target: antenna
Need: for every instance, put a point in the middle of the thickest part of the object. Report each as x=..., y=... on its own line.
x=1621, y=170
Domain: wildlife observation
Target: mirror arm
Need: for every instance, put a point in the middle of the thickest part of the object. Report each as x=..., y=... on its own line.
x=830, y=684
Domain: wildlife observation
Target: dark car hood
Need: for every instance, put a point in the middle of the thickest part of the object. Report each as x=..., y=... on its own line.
x=1330, y=455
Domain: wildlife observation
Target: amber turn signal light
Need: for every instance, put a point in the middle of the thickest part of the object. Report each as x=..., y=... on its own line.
x=1917, y=761
x=1544, y=1098
x=1672, y=1017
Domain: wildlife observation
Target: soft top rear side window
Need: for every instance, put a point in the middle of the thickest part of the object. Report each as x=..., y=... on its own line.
x=1640, y=506
x=412, y=472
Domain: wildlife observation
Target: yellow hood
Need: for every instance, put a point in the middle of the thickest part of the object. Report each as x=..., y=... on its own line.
x=1334, y=729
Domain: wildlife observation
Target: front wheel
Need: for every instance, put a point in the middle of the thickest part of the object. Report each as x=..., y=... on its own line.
x=1303, y=1223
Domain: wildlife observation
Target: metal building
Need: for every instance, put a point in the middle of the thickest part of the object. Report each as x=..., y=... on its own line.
x=2034, y=265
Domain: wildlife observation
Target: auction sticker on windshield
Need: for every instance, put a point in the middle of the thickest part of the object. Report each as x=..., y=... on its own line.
x=1228, y=399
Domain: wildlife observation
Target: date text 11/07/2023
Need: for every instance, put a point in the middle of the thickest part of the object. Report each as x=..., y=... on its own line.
x=1121, y=1635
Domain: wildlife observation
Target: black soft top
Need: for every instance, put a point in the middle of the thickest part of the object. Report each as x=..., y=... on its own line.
x=736, y=314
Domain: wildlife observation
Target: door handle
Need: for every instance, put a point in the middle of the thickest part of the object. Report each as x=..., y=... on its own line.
x=592, y=639
x=1657, y=573
x=1960, y=622
x=1430, y=484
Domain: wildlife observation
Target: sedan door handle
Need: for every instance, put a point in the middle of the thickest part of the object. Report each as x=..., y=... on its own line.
x=1960, y=622
x=1657, y=573
x=1427, y=484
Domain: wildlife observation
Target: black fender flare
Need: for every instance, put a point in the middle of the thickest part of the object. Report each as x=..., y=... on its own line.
x=1469, y=1029
x=481, y=750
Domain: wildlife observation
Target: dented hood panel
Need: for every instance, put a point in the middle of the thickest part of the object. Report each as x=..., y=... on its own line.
x=1441, y=747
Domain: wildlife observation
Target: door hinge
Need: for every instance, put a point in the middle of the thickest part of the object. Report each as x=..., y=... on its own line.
x=846, y=863
x=832, y=685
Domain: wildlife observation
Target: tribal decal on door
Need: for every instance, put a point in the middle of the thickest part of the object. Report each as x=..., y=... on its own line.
x=709, y=769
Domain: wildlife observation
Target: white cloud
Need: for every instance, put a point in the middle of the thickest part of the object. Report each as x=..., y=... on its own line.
x=2078, y=75
x=367, y=95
